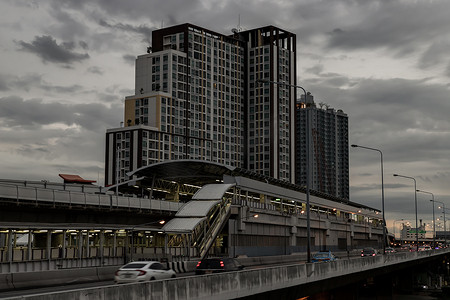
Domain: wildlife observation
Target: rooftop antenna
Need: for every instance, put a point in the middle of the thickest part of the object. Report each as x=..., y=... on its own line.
x=238, y=28
x=239, y=23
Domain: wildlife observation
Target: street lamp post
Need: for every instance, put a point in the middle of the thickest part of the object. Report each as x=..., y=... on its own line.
x=132, y=234
x=382, y=192
x=445, y=227
x=394, y=228
x=308, y=161
x=415, y=204
x=434, y=220
x=117, y=170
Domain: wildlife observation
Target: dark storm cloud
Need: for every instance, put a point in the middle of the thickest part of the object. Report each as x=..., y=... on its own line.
x=130, y=59
x=4, y=79
x=399, y=26
x=143, y=30
x=133, y=9
x=405, y=118
x=46, y=48
x=95, y=70
x=377, y=187
x=436, y=54
x=69, y=25
x=83, y=45
x=18, y=113
x=395, y=104
x=35, y=81
x=396, y=25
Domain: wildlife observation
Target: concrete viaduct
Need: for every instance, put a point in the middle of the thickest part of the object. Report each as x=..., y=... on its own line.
x=289, y=281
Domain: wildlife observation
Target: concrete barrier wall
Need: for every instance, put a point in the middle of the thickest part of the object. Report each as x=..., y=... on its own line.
x=237, y=284
x=6, y=282
x=87, y=274
x=20, y=280
x=56, y=264
x=55, y=277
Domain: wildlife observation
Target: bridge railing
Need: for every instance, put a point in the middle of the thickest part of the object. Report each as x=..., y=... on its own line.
x=38, y=195
x=91, y=256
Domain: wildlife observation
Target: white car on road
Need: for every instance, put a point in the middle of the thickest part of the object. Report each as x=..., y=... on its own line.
x=143, y=271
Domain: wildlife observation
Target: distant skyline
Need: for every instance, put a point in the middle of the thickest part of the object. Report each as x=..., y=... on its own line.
x=67, y=66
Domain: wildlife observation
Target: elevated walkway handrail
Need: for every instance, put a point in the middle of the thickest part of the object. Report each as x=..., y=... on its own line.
x=213, y=231
x=53, y=197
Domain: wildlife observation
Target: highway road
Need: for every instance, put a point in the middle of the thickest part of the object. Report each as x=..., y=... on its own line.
x=40, y=290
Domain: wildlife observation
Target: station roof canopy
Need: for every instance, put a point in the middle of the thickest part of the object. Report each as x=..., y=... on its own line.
x=188, y=171
x=201, y=172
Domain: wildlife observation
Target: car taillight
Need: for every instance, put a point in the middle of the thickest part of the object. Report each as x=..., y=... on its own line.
x=222, y=264
x=198, y=264
x=141, y=273
x=373, y=254
x=117, y=273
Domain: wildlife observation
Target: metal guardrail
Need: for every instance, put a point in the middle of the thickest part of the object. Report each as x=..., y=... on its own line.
x=54, y=197
x=57, y=264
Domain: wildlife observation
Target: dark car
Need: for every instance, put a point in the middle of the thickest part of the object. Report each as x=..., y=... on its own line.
x=216, y=265
x=368, y=252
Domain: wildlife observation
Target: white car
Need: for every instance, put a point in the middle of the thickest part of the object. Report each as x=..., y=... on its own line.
x=143, y=271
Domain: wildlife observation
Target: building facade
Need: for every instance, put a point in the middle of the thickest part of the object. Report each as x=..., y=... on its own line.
x=328, y=144
x=197, y=97
x=407, y=233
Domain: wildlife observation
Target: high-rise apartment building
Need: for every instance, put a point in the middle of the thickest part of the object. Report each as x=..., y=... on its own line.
x=328, y=148
x=197, y=97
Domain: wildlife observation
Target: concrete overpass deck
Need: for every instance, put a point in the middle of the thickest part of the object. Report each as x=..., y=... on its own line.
x=296, y=280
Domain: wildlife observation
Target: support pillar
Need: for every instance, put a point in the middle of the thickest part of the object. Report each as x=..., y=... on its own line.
x=115, y=243
x=9, y=249
x=64, y=244
x=166, y=241
x=189, y=237
x=150, y=196
x=87, y=244
x=293, y=231
x=126, y=248
x=100, y=245
x=30, y=245
x=49, y=245
x=80, y=245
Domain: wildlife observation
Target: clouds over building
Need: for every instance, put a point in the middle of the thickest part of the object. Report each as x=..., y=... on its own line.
x=383, y=62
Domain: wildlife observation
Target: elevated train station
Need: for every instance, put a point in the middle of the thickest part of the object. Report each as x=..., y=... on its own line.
x=175, y=210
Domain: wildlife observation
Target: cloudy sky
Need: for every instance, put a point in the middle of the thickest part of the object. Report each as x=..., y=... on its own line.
x=66, y=66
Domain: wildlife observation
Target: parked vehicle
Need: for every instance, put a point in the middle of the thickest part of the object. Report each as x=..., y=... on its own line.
x=323, y=256
x=368, y=252
x=216, y=265
x=143, y=271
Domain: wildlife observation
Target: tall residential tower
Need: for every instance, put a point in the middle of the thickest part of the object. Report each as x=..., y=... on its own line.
x=328, y=146
x=197, y=97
